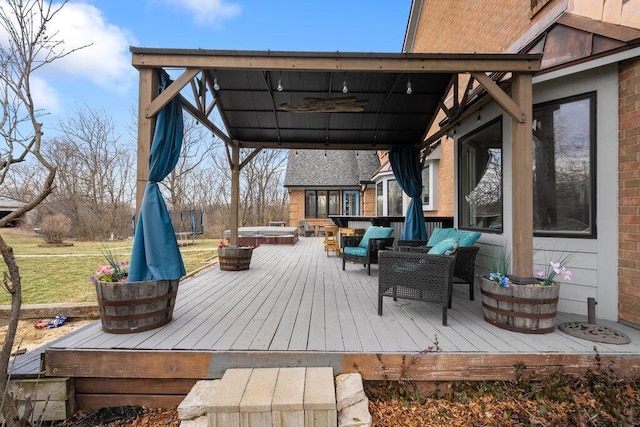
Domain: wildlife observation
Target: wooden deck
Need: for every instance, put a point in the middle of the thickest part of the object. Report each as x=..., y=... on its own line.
x=296, y=307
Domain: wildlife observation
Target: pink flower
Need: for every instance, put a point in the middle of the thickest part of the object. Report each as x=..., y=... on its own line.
x=539, y=274
x=556, y=266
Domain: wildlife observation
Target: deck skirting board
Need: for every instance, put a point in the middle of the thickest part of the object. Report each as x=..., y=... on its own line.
x=372, y=366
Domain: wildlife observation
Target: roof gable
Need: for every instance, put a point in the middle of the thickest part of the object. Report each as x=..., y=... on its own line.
x=320, y=168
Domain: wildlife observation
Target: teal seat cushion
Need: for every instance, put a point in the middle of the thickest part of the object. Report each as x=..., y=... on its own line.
x=467, y=238
x=444, y=247
x=440, y=234
x=374, y=232
x=355, y=250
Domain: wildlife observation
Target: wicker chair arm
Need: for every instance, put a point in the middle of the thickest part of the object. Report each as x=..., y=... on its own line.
x=466, y=263
x=412, y=243
x=351, y=241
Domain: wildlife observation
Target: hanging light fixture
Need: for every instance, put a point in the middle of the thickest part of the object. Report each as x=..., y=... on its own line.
x=216, y=86
x=345, y=89
x=280, y=83
x=409, y=89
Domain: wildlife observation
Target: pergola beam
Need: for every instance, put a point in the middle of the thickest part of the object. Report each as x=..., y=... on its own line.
x=147, y=90
x=308, y=61
x=508, y=104
x=170, y=92
x=199, y=115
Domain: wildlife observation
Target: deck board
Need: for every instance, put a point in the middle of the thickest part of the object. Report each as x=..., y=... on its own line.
x=296, y=299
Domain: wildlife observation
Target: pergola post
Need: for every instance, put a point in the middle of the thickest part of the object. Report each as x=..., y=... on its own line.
x=147, y=90
x=522, y=179
x=235, y=191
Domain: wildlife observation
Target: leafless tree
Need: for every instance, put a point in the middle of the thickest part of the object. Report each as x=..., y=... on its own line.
x=262, y=195
x=183, y=183
x=95, y=174
x=28, y=47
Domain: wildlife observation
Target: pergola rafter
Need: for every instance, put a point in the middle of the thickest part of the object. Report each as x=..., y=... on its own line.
x=312, y=112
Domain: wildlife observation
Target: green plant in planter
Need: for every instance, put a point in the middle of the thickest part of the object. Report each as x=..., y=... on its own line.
x=113, y=270
x=500, y=263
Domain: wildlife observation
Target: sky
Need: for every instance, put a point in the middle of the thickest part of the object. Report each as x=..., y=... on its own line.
x=101, y=77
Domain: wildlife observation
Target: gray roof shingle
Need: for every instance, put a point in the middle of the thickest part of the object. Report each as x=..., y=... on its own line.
x=320, y=168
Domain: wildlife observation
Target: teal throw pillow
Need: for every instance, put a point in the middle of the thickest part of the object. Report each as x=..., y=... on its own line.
x=467, y=238
x=375, y=232
x=444, y=247
x=439, y=234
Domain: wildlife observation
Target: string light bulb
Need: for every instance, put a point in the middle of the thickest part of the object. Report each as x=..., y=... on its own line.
x=279, y=85
x=216, y=86
x=345, y=89
x=409, y=89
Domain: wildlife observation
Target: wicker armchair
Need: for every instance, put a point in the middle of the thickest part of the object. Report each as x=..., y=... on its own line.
x=364, y=249
x=417, y=276
x=464, y=267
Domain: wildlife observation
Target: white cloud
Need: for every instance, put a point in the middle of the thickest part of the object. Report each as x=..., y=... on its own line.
x=44, y=95
x=107, y=61
x=208, y=11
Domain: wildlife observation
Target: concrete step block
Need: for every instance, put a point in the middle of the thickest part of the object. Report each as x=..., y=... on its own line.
x=320, y=398
x=225, y=411
x=200, y=399
x=349, y=390
x=255, y=406
x=288, y=398
x=202, y=421
x=356, y=415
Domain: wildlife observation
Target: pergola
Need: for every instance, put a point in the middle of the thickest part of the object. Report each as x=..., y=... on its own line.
x=336, y=101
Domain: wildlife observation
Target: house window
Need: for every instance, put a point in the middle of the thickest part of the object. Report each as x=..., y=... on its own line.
x=429, y=185
x=394, y=198
x=321, y=203
x=480, y=178
x=380, y=198
x=351, y=202
x=564, y=166
x=537, y=5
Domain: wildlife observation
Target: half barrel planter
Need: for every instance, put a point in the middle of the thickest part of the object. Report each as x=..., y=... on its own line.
x=128, y=307
x=530, y=309
x=235, y=258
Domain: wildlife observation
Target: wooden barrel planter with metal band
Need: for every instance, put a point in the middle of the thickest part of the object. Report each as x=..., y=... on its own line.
x=235, y=258
x=529, y=309
x=128, y=307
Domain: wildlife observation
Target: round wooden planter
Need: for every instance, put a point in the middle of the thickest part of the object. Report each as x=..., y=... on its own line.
x=530, y=309
x=136, y=306
x=235, y=258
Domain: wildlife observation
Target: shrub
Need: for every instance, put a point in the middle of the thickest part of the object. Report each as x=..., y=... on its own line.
x=55, y=228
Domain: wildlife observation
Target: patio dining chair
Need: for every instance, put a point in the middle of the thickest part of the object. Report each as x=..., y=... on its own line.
x=331, y=239
x=304, y=229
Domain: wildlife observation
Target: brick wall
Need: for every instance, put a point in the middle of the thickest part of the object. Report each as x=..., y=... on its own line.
x=369, y=201
x=296, y=207
x=629, y=191
x=482, y=26
x=446, y=179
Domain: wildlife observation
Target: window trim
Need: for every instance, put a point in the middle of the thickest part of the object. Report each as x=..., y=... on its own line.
x=593, y=172
x=459, y=175
x=328, y=191
x=432, y=164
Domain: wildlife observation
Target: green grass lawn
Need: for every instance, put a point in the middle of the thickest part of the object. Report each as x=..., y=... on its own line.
x=61, y=274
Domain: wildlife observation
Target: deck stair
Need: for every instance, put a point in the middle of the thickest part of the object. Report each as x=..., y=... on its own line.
x=294, y=397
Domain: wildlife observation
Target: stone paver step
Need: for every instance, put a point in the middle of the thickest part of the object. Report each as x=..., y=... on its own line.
x=276, y=397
